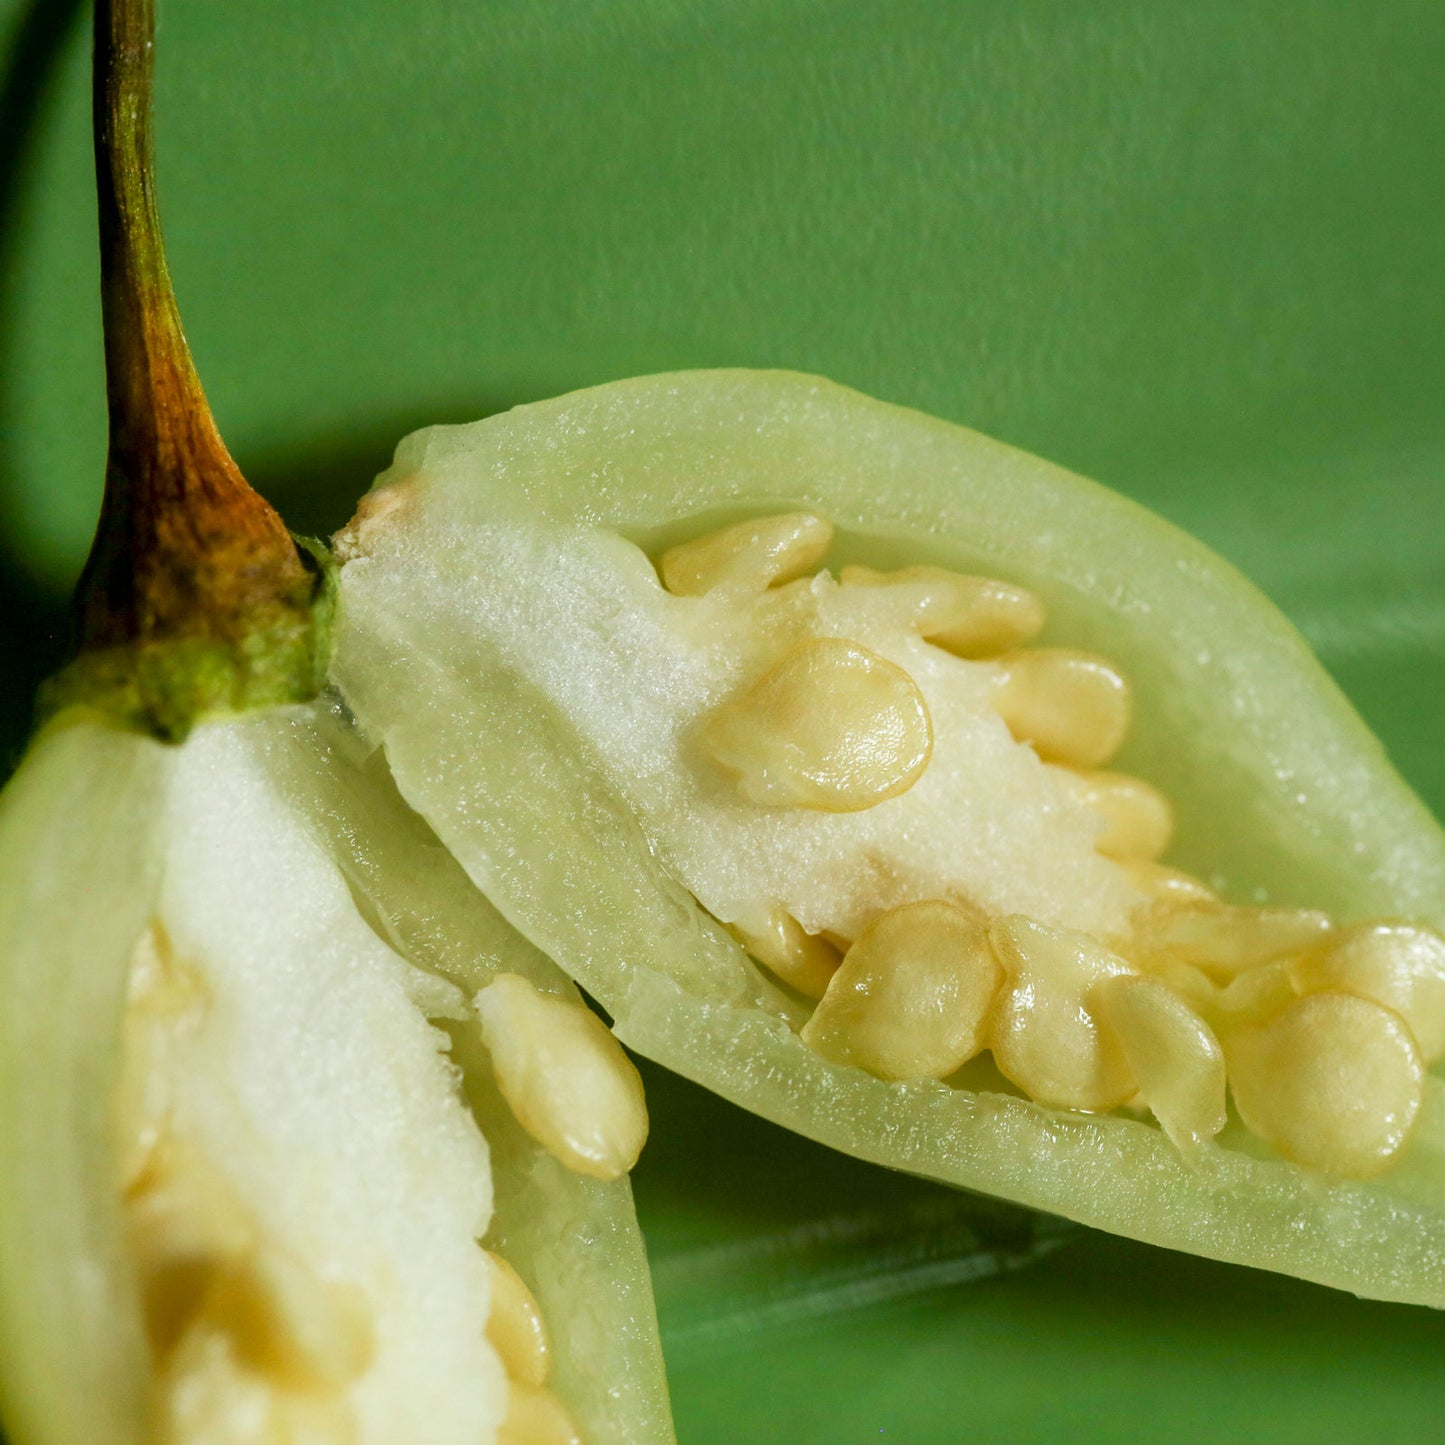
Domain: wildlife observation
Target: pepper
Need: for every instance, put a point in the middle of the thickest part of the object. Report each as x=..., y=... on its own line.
x=260, y=1175
x=499, y=632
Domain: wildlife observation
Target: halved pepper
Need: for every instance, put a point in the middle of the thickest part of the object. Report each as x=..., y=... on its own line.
x=299, y=1142
x=763, y=814
x=283, y=1218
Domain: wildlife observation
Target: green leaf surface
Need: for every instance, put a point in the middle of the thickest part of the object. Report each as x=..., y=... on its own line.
x=1192, y=249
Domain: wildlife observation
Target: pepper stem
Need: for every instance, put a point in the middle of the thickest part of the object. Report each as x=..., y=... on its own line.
x=195, y=600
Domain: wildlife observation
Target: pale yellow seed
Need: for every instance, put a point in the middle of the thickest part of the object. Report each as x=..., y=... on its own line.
x=537, y=1417
x=1136, y=820
x=1046, y=1035
x=206, y=1396
x=1256, y=994
x=1192, y=984
x=912, y=997
x=1168, y=885
x=1228, y=939
x=564, y=1076
x=750, y=556
x=165, y=998
x=1401, y=965
x=515, y=1325
x=832, y=727
x=1072, y=706
x=289, y=1325
x=969, y=616
x=186, y=1229
x=1333, y=1082
x=804, y=961
x=1172, y=1052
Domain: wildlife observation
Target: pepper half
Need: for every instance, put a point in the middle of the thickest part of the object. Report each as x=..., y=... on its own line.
x=489, y=635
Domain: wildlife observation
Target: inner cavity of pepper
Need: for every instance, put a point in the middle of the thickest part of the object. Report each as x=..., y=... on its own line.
x=1000, y=890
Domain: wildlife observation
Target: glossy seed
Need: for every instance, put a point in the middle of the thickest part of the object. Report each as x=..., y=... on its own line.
x=832, y=727
x=564, y=1076
x=749, y=556
x=1333, y=1082
x=912, y=997
x=536, y=1417
x=969, y=616
x=1136, y=819
x=1229, y=939
x=1401, y=965
x=1168, y=885
x=1046, y=1035
x=1072, y=706
x=804, y=961
x=1258, y=993
x=1173, y=1054
x=515, y=1325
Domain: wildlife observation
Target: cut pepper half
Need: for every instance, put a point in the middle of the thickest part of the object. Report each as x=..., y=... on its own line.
x=259, y=1176
x=926, y=799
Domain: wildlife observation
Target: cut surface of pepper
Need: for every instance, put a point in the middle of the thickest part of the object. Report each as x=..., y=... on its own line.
x=733, y=715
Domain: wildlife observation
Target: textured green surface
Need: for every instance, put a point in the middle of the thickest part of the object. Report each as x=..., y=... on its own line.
x=1191, y=249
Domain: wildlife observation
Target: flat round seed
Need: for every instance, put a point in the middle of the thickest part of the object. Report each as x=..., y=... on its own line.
x=1136, y=819
x=1045, y=1033
x=1172, y=1052
x=831, y=726
x=1257, y=994
x=564, y=1076
x=1168, y=885
x=804, y=961
x=1230, y=939
x=1401, y=965
x=515, y=1325
x=968, y=616
x=912, y=997
x=1072, y=706
x=750, y=556
x=1333, y=1082
x=537, y=1417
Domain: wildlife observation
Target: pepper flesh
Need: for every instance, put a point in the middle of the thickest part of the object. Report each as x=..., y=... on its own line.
x=1280, y=791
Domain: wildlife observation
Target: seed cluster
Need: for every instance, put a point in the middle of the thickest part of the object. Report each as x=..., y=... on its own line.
x=241, y=1328
x=1320, y=1033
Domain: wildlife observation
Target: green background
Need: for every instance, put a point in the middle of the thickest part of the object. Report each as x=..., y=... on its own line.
x=1192, y=249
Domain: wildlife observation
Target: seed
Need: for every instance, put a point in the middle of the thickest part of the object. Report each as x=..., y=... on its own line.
x=1230, y=939
x=205, y=1394
x=1172, y=1052
x=1072, y=706
x=1046, y=1035
x=1333, y=1082
x=1257, y=993
x=1401, y=965
x=969, y=616
x=564, y=1076
x=804, y=961
x=832, y=726
x=186, y=1228
x=1137, y=819
x=515, y=1325
x=912, y=997
x=536, y=1417
x=1168, y=885
x=290, y=1325
x=749, y=556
